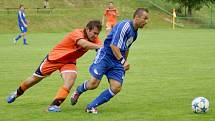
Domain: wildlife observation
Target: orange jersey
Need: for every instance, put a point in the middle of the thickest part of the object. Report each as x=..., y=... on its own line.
x=67, y=51
x=111, y=15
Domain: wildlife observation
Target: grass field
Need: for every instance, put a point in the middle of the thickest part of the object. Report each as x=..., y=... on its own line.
x=168, y=69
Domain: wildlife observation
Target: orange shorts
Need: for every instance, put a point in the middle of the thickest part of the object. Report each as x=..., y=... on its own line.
x=46, y=68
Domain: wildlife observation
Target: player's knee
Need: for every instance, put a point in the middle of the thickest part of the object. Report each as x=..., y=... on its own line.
x=69, y=83
x=93, y=84
x=23, y=34
x=32, y=80
x=116, y=89
x=115, y=86
x=69, y=79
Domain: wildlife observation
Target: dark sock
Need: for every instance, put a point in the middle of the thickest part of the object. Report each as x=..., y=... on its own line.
x=20, y=91
x=57, y=102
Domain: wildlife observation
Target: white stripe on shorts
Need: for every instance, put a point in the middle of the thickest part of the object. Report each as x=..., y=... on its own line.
x=69, y=71
x=38, y=75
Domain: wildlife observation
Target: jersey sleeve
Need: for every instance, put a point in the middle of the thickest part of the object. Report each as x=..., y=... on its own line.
x=120, y=34
x=76, y=36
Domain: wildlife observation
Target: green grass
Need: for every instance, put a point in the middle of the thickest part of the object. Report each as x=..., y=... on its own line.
x=168, y=69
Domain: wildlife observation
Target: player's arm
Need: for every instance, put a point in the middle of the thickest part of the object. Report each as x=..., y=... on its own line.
x=118, y=55
x=88, y=45
x=23, y=23
x=103, y=18
x=117, y=43
x=116, y=52
x=22, y=18
x=126, y=54
x=117, y=13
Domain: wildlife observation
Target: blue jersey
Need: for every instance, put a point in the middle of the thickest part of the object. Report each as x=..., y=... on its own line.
x=21, y=17
x=122, y=35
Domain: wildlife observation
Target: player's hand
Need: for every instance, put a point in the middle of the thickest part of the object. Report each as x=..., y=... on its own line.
x=27, y=23
x=100, y=46
x=126, y=66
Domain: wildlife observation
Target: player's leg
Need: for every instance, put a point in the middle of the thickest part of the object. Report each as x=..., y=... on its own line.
x=115, y=77
x=27, y=83
x=24, y=31
x=97, y=71
x=69, y=75
x=30, y=81
x=86, y=85
x=24, y=39
x=19, y=36
x=15, y=40
x=105, y=96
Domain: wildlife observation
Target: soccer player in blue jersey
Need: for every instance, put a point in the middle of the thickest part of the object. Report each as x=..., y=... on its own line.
x=111, y=60
x=22, y=22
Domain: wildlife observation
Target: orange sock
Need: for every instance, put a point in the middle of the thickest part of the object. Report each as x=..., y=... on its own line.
x=61, y=95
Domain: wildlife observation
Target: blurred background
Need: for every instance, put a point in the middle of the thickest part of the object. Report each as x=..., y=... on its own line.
x=65, y=15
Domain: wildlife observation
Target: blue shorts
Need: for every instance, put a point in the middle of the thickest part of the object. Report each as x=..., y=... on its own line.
x=23, y=29
x=105, y=66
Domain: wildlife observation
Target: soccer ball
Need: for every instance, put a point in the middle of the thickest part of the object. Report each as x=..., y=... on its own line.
x=200, y=105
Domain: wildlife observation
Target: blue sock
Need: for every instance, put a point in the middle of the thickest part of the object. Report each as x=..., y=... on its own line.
x=82, y=88
x=18, y=37
x=24, y=41
x=104, y=97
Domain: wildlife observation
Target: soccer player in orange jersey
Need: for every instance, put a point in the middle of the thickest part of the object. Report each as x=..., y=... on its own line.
x=63, y=57
x=111, y=14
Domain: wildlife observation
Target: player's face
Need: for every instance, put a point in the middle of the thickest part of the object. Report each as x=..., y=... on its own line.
x=110, y=5
x=142, y=20
x=22, y=8
x=92, y=34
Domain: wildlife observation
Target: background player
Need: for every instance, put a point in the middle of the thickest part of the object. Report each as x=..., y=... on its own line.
x=63, y=57
x=111, y=60
x=23, y=24
x=110, y=14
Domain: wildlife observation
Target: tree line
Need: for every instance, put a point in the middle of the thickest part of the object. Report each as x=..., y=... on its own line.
x=190, y=5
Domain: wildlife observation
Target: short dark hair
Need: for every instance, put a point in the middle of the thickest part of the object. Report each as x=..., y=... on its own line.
x=94, y=23
x=139, y=11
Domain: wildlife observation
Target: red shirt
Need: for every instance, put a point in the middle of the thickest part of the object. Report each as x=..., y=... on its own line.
x=111, y=15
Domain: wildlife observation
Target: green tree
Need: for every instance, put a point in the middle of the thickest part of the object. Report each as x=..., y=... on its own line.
x=191, y=5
